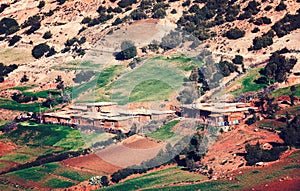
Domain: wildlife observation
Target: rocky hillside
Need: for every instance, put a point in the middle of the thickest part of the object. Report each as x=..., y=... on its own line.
x=48, y=33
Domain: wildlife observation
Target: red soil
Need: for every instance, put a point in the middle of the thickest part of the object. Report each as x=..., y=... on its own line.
x=92, y=162
x=6, y=147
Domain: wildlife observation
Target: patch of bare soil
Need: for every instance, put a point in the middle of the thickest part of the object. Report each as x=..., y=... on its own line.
x=139, y=142
x=6, y=147
x=124, y=156
x=92, y=162
x=225, y=154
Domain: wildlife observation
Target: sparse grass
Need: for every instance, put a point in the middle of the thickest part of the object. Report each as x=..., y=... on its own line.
x=22, y=88
x=91, y=138
x=165, y=132
x=286, y=91
x=78, y=65
x=58, y=183
x=158, y=178
x=15, y=56
x=291, y=166
x=248, y=84
x=272, y=124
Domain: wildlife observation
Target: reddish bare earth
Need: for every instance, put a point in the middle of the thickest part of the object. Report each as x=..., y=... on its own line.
x=6, y=147
x=223, y=155
x=130, y=152
x=92, y=162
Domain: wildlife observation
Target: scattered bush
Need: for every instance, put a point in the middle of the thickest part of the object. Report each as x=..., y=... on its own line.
x=238, y=59
x=138, y=15
x=8, y=26
x=128, y=50
x=14, y=40
x=47, y=35
x=40, y=50
x=126, y=3
x=280, y=7
x=235, y=33
x=41, y=4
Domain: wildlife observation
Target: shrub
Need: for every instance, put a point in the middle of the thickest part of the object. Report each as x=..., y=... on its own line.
x=47, y=35
x=159, y=14
x=235, y=33
x=14, y=40
x=262, y=42
x=41, y=4
x=126, y=3
x=238, y=59
x=138, y=15
x=255, y=30
x=281, y=6
x=86, y=20
x=40, y=50
x=8, y=26
x=60, y=2
x=128, y=50
x=3, y=7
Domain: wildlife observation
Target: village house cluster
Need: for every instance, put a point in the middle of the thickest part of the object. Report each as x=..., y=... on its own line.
x=112, y=117
x=106, y=115
x=218, y=114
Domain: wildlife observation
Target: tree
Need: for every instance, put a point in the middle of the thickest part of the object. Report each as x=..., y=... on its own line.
x=8, y=26
x=47, y=35
x=41, y=4
x=238, y=59
x=292, y=95
x=40, y=50
x=24, y=78
x=14, y=40
x=128, y=50
x=104, y=181
x=235, y=33
x=291, y=134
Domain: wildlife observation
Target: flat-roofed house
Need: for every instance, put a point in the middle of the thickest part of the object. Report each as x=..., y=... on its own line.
x=220, y=114
x=104, y=107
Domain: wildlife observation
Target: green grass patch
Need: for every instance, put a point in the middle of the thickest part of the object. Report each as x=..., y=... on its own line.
x=15, y=106
x=22, y=88
x=248, y=84
x=77, y=176
x=286, y=91
x=182, y=61
x=107, y=75
x=207, y=186
x=272, y=124
x=150, y=90
x=42, y=94
x=158, y=178
x=18, y=158
x=58, y=183
x=131, y=86
x=38, y=135
x=165, y=132
x=32, y=173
